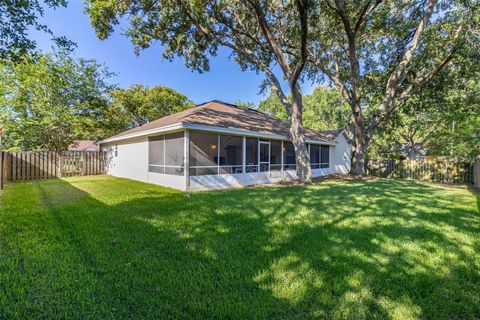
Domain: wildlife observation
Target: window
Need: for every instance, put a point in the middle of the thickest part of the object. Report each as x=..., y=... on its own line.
x=252, y=155
x=203, y=153
x=156, y=155
x=275, y=155
x=289, y=162
x=231, y=151
x=314, y=156
x=325, y=157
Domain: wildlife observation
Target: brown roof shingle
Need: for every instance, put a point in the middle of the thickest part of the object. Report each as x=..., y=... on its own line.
x=224, y=115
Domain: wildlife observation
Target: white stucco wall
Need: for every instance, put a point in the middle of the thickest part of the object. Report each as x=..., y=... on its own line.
x=131, y=161
x=341, y=154
x=167, y=180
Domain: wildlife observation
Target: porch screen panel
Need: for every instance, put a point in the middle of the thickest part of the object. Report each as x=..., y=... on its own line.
x=315, y=156
x=156, y=154
x=251, y=155
x=231, y=151
x=275, y=155
x=325, y=157
x=203, y=153
x=174, y=145
x=289, y=156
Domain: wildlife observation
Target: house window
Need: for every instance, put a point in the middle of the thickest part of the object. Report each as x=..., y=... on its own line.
x=156, y=154
x=116, y=150
x=165, y=154
x=325, y=157
x=275, y=155
x=231, y=151
x=289, y=162
x=314, y=156
x=251, y=156
x=203, y=153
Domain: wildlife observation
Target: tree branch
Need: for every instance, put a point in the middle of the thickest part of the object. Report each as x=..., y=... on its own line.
x=269, y=36
x=366, y=11
x=397, y=76
x=302, y=10
x=247, y=54
x=413, y=88
x=352, y=53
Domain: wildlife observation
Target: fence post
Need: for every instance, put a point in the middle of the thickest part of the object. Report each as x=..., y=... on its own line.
x=59, y=163
x=476, y=173
x=84, y=163
x=2, y=169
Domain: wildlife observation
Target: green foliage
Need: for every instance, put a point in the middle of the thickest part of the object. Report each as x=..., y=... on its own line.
x=138, y=105
x=245, y=104
x=49, y=101
x=16, y=19
x=324, y=109
x=442, y=120
x=109, y=248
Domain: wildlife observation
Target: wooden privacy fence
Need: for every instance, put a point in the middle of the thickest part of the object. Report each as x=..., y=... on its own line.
x=437, y=171
x=29, y=165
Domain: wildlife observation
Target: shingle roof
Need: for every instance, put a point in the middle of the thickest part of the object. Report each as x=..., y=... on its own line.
x=84, y=145
x=225, y=115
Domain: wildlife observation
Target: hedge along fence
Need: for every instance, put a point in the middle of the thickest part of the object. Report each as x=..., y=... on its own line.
x=437, y=171
x=29, y=165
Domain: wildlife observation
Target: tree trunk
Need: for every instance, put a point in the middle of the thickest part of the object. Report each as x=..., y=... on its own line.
x=412, y=152
x=304, y=171
x=360, y=143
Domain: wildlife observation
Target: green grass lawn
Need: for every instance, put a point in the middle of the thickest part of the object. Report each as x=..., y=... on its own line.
x=107, y=248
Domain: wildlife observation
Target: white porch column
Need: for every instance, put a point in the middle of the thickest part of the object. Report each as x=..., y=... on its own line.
x=282, y=156
x=186, y=160
x=244, y=155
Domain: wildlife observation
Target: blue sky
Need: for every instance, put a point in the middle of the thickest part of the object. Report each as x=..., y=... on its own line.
x=225, y=81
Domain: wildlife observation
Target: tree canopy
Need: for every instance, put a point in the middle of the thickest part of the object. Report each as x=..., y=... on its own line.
x=441, y=120
x=48, y=102
x=378, y=53
x=324, y=109
x=254, y=30
x=138, y=105
x=16, y=18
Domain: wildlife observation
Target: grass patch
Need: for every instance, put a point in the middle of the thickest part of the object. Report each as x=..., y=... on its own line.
x=102, y=247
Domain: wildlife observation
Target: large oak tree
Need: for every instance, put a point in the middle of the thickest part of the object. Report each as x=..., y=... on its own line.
x=255, y=31
x=379, y=53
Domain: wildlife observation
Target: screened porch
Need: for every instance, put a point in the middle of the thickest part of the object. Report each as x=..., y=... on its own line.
x=206, y=153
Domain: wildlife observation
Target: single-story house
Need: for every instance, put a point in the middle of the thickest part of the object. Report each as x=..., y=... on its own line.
x=84, y=145
x=219, y=145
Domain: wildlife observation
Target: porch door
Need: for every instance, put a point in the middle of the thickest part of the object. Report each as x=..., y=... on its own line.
x=264, y=156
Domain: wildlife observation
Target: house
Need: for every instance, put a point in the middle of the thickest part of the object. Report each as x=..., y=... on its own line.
x=219, y=145
x=84, y=145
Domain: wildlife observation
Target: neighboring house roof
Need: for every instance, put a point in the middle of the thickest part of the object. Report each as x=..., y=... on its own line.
x=84, y=145
x=219, y=114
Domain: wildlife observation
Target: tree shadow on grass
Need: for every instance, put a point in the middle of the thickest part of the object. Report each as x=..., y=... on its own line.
x=384, y=249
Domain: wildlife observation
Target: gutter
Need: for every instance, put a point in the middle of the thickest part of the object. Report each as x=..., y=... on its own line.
x=207, y=128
